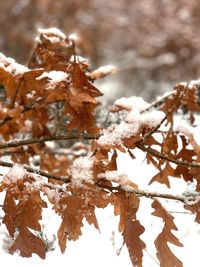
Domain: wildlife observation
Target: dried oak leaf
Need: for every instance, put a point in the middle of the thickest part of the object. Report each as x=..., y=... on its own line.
x=77, y=206
x=184, y=154
x=7, y=78
x=164, y=254
x=81, y=100
x=195, y=209
x=19, y=217
x=163, y=175
x=125, y=205
x=72, y=212
x=28, y=244
x=103, y=163
x=170, y=143
x=135, y=245
x=190, y=100
x=10, y=209
x=168, y=104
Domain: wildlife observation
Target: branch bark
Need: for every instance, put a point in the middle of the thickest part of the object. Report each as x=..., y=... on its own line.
x=128, y=189
x=69, y=136
x=143, y=193
x=37, y=171
x=165, y=157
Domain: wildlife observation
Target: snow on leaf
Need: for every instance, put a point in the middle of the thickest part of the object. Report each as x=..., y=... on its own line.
x=14, y=174
x=132, y=125
x=135, y=245
x=164, y=254
x=11, y=66
x=102, y=72
x=52, y=31
x=132, y=103
x=54, y=76
x=113, y=176
x=81, y=170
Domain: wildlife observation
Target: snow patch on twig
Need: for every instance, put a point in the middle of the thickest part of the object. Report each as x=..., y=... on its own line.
x=133, y=122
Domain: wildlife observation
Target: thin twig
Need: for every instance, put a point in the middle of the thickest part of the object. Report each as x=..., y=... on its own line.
x=166, y=157
x=37, y=171
x=159, y=101
x=172, y=109
x=143, y=193
x=69, y=136
x=139, y=193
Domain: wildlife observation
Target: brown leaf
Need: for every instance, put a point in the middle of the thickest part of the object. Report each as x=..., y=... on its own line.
x=170, y=143
x=184, y=154
x=135, y=245
x=19, y=217
x=125, y=205
x=10, y=210
x=164, y=254
x=29, y=211
x=195, y=209
x=72, y=213
x=27, y=244
x=91, y=217
x=163, y=175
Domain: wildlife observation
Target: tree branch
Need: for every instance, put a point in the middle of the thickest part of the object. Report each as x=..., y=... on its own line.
x=69, y=136
x=37, y=171
x=143, y=193
x=165, y=157
x=179, y=96
x=128, y=189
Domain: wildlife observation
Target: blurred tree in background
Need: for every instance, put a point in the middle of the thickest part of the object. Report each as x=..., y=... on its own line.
x=155, y=43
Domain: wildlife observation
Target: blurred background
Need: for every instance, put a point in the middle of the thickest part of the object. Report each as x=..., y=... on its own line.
x=154, y=43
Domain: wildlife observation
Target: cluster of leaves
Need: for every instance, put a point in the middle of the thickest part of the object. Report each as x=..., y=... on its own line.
x=54, y=99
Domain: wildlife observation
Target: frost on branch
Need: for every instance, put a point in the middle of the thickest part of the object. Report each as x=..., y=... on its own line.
x=59, y=148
